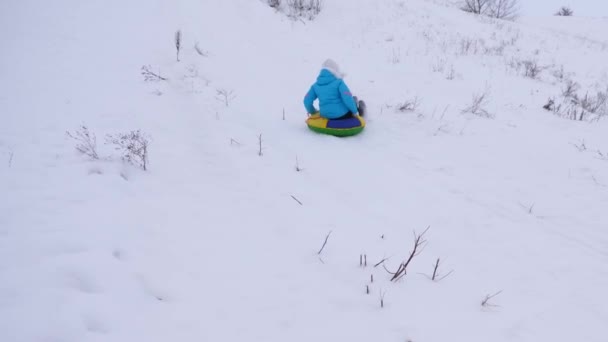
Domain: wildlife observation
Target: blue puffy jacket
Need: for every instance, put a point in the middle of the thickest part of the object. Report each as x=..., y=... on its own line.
x=335, y=99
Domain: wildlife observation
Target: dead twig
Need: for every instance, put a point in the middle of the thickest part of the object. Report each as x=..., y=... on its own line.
x=381, y=262
x=419, y=243
x=324, y=243
x=486, y=301
x=297, y=200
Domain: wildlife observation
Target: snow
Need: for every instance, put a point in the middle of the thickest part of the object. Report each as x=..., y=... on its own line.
x=211, y=244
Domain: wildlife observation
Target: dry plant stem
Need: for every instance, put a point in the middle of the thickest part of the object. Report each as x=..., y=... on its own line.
x=324, y=243
x=297, y=200
x=419, y=243
x=486, y=301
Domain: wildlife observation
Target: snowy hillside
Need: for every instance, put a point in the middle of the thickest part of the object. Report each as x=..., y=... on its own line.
x=248, y=226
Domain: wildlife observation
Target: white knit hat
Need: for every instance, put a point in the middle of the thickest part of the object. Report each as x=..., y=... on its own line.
x=333, y=67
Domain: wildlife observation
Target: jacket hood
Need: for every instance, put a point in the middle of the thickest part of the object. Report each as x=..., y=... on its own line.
x=326, y=77
x=333, y=67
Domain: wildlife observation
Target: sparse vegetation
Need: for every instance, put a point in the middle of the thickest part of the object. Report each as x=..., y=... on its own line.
x=151, y=76
x=486, y=302
x=532, y=69
x=298, y=9
x=410, y=105
x=133, y=146
x=499, y=9
x=225, y=95
x=478, y=103
x=86, y=141
x=565, y=11
x=573, y=106
x=419, y=243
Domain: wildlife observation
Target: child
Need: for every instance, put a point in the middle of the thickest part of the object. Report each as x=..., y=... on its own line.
x=335, y=99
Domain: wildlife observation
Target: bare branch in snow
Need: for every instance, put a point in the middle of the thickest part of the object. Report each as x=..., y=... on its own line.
x=297, y=200
x=419, y=243
x=178, y=42
x=486, y=301
x=479, y=101
x=200, y=51
x=151, y=76
x=260, y=145
x=324, y=243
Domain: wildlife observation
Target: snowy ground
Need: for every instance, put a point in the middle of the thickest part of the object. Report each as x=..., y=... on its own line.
x=211, y=243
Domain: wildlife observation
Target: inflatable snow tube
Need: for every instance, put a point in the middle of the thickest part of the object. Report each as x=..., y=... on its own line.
x=339, y=128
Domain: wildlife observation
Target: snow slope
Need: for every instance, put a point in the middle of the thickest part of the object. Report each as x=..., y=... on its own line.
x=211, y=243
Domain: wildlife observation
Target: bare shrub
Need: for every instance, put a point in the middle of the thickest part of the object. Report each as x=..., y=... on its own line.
x=499, y=9
x=595, y=104
x=225, y=96
x=565, y=11
x=419, y=242
x=559, y=73
x=532, y=69
x=409, y=105
x=151, y=76
x=478, y=102
x=86, y=142
x=571, y=89
x=133, y=146
x=576, y=107
x=468, y=46
x=308, y=9
x=550, y=105
x=439, y=65
x=476, y=6
x=178, y=42
x=504, y=9
x=274, y=3
x=451, y=74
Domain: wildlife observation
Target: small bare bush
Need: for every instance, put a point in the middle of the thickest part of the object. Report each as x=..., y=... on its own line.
x=478, y=103
x=86, y=142
x=595, y=104
x=476, y=6
x=499, y=9
x=419, y=243
x=225, y=96
x=274, y=3
x=565, y=11
x=409, y=105
x=532, y=69
x=151, y=76
x=133, y=146
x=468, y=46
x=504, y=9
x=570, y=89
x=307, y=9
x=575, y=107
x=559, y=73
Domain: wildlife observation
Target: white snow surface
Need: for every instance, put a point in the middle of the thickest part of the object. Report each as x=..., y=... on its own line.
x=210, y=244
